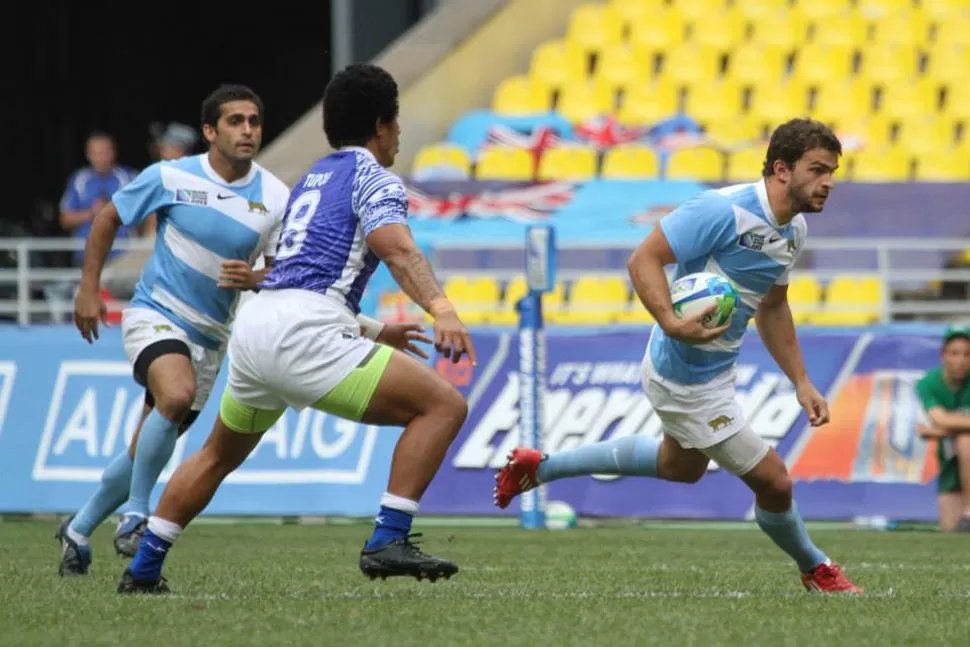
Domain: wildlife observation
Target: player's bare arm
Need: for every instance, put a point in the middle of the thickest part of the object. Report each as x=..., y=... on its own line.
x=947, y=423
x=395, y=246
x=89, y=308
x=777, y=330
x=646, y=268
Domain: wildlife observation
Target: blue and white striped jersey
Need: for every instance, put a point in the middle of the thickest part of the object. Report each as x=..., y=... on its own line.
x=731, y=232
x=202, y=221
x=332, y=210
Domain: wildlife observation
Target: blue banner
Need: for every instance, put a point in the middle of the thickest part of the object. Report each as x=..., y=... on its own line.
x=66, y=408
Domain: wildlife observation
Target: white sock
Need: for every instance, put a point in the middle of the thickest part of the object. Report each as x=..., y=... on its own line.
x=76, y=537
x=164, y=529
x=396, y=502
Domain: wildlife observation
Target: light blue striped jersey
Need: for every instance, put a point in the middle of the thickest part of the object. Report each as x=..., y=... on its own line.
x=334, y=207
x=731, y=232
x=202, y=221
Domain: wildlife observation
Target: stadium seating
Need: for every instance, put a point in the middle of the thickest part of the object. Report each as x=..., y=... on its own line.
x=505, y=163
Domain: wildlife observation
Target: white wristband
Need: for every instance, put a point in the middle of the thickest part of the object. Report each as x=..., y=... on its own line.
x=370, y=328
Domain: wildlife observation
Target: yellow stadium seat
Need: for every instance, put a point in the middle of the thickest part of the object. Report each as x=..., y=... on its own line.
x=846, y=28
x=904, y=101
x=886, y=63
x=475, y=299
x=958, y=102
x=579, y=102
x=634, y=312
x=786, y=30
x=942, y=9
x=955, y=30
x=910, y=28
x=762, y=10
x=506, y=314
x=776, y=103
x=505, y=163
x=632, y=12
x=733, y=130
x=437, y=156
x=804, y=297
x=835, y=102
x=879, y=164
x=700, y=163
x=658, y=31
x=593, y=27
x=723, y=30
x=689, y=64
x=948, y=64
x=873, y=130
x=821, y=64
x=754, y=64
x=647, y=103
x=711, y=101
x=595, y=301
x=693, y=10
x=745, y=165
x=620, y=67
x=518, y=95
x=821, y=9
x=850, y=301
x=943, y=166
x=570, y=163
x=557, y=63
x=927, y=135
x=877, y=9
x=630, y=161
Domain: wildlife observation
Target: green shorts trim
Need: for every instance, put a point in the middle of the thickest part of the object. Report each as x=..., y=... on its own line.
x=349, y=399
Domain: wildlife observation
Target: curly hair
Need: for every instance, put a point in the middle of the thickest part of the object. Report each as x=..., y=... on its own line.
x=796, y=137
x=355, y=100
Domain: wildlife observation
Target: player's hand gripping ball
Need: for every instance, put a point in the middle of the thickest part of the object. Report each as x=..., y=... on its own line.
x=695, y=293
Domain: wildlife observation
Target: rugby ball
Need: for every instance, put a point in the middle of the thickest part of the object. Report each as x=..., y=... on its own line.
x=695, y=293
x=560, y=516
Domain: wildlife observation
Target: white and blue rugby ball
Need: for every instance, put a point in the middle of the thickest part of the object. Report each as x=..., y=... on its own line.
x=695, y=293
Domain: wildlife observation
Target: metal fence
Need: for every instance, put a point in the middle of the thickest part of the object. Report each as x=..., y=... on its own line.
x=32, y=292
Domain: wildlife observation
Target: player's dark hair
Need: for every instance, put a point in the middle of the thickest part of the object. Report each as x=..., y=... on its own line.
x=101, y=134
x=212, y=105
x=796, y=137
x=953, y=338
x=355, y=99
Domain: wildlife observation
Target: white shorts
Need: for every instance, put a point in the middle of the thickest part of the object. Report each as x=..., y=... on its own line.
x=695, y=415
x=292, y=347
x=141, y=327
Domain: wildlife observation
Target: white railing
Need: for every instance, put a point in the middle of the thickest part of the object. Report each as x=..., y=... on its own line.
x=59, y=283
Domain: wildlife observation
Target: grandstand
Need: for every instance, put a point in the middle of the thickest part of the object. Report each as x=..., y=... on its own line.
x=688, y=90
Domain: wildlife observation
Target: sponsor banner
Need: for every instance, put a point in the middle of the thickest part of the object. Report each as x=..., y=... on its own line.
x=868, y=461
x=67, y=408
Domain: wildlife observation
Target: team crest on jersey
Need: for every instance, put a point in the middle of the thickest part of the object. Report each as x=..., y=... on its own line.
x=752, y=241
x=257, y=207
x=192, y=196
x=792, y=247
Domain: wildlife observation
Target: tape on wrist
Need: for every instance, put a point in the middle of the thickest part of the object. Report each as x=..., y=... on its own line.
x=440, y=306
x=370, y=328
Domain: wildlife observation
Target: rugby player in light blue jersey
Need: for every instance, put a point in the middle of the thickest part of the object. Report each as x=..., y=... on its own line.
x=752, y=234
x=301, y=342
x=217, y=213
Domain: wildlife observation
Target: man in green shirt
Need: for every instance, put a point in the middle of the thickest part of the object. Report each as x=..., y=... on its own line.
x=945, y=394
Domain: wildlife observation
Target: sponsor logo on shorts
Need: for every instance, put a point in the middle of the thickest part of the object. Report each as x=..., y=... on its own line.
x=720, y=422
x=162, y=328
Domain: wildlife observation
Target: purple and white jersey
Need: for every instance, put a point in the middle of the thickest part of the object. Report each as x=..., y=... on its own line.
x=335, y=206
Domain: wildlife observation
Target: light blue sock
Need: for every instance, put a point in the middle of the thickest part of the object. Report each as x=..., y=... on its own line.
x=111, y=493
x=156, y=444
x=625, y=456
x=787, y=530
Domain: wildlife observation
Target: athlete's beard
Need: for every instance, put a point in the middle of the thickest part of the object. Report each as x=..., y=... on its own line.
x=800, y=203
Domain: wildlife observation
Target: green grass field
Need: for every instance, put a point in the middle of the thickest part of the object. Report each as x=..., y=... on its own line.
x=299, y=585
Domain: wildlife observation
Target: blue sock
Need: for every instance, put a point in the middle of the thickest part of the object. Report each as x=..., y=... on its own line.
x=148, y=560
x=393, y=521
x=625, y=456
x=156, y=444
x=111, y=493
x=788, y=531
